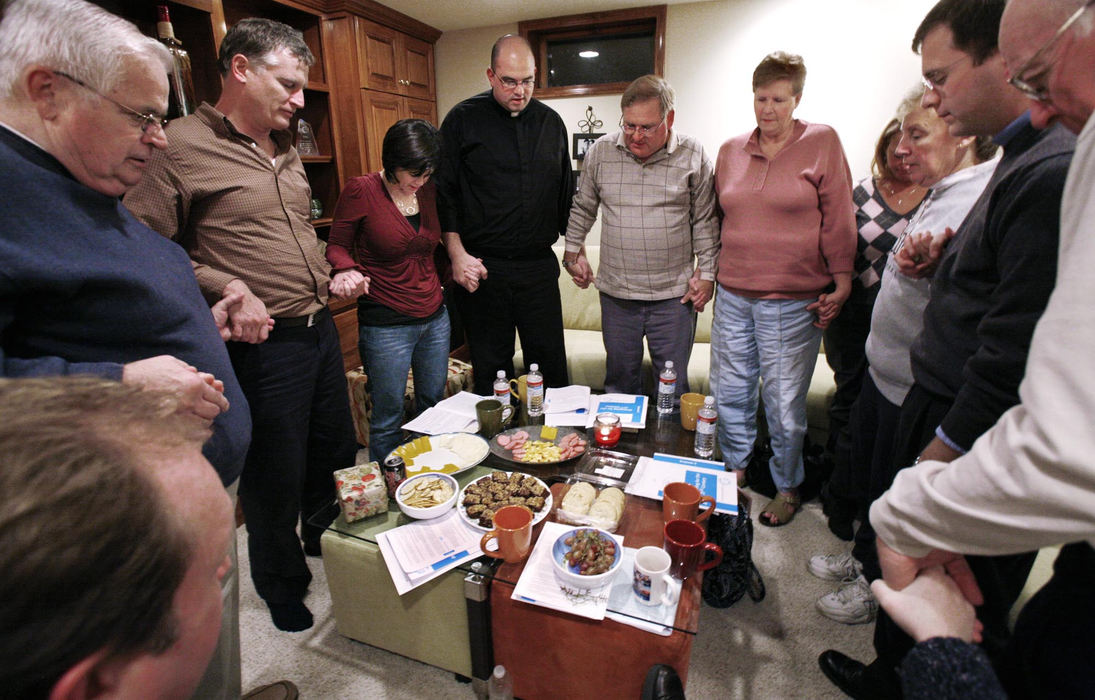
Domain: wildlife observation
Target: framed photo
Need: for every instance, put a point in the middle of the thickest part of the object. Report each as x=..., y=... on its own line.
x=582, y=142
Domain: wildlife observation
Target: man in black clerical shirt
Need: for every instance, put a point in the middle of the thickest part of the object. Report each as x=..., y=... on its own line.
x=505, y=186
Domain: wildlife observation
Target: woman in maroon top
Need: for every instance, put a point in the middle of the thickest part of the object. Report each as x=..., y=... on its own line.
x=381, y=249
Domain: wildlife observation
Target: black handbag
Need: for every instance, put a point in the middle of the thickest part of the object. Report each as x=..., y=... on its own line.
x=736, y=575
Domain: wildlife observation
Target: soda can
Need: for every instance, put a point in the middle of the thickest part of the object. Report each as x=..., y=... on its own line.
x=395, y=473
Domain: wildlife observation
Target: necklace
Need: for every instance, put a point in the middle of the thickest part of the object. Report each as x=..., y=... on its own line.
x=906, y=192
x=407, y=207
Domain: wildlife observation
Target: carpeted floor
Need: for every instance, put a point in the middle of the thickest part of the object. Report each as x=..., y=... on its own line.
x=764, y=650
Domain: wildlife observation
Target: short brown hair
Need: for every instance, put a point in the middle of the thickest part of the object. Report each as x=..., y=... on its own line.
x=649, y=87
x=90, y=550
x=780, y=65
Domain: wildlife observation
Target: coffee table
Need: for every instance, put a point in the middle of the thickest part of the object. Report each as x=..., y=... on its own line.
x=549, y=653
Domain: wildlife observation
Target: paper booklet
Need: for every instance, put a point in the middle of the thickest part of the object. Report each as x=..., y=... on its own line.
x=631, y=408
x=653, y=473
x=455, y=414
x=424, y=549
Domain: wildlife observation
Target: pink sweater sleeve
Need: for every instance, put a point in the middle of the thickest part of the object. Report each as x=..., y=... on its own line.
x=834, y=190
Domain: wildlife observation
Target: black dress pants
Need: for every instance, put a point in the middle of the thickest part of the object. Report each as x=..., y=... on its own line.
x=302, y=432
x=1051, y=651
x=516, y=296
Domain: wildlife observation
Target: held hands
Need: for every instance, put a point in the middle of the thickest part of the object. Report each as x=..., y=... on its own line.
x=348, y=284
x=899, y=570
x=699, y=291
x=931, y=606
x=468, y=270
x=828, y=305
x=248, y=321
x=580, y=270
x=198, y=393
x=920, y=254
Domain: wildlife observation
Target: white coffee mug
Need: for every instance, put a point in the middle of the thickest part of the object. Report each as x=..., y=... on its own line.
x=651, y=578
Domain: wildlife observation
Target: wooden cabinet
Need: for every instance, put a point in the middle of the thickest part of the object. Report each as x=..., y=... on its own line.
x=391, y=61
x=380, y=110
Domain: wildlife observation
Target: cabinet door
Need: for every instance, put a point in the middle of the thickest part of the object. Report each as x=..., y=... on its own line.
x=422, y=109
x=380, y=111
x=417, y=80
x=379, y=57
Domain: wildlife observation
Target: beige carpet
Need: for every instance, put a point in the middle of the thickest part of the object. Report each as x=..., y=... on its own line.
x=764, y=650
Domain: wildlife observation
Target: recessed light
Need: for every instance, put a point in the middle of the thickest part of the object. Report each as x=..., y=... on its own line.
x=588, y=54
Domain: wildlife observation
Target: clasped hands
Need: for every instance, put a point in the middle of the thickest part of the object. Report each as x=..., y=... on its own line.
x=920, y=254
x=348, y=284
x=930, y=596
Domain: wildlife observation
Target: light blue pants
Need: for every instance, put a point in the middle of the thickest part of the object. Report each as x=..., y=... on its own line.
x=387, y=352
x=769, y=340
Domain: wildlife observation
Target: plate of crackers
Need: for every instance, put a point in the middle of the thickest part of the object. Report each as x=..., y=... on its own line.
x=479, y=499
x=539, y=444
x=592, y=500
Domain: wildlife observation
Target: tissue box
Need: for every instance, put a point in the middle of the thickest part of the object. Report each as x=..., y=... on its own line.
x=361, y=491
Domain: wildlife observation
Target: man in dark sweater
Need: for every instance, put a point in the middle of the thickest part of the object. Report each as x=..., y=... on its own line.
x=990, y=285
x=504, y=191
x=85, y=288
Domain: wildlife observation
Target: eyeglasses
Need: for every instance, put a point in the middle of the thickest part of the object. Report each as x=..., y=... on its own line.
x=512, y=83
x=1025, y=86
x=640, y=129
x=142, y=121
x=936, y=79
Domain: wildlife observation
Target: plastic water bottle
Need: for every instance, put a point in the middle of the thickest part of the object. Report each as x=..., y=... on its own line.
x=500, y=685
x=535, y=391
x=667, y=388
x=501, y=388
x=705, y=429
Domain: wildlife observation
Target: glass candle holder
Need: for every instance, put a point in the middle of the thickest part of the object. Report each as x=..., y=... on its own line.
x=606, y=429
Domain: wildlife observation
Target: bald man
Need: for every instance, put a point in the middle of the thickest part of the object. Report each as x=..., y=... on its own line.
x=504, y=191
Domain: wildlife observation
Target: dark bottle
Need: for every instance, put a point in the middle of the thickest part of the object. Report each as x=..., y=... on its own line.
x=182, y=100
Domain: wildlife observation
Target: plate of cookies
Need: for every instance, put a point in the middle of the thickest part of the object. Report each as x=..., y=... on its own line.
x=479, y=499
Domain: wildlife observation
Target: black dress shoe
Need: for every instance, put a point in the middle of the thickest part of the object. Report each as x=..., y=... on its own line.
x=857, y=680
x=662, y=683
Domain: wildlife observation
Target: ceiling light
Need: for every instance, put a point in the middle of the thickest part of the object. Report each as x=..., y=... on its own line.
x=588, y=54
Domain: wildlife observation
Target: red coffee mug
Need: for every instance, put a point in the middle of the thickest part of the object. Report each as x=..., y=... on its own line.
x=687, y=545
x=681, y=501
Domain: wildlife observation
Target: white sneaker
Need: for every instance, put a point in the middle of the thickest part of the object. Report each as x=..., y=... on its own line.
x=834, y=567
x=853, y=603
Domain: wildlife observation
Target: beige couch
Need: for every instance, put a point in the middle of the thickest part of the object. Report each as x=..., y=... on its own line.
x=586, y=352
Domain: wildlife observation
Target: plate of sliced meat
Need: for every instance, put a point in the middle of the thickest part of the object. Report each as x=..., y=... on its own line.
x=539, y=444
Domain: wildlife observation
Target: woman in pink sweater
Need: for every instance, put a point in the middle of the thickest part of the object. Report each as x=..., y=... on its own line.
x=785, y=268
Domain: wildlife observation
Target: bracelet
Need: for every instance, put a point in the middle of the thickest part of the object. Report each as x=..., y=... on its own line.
x=568, y=263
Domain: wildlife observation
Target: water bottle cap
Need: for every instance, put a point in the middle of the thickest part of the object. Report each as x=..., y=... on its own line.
x=669, y=364
x=501, y=374
x=499, y=671
x=534, y=367
x=709, y=401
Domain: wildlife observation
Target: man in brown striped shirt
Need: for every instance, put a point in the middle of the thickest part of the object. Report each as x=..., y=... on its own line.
x=231, y=189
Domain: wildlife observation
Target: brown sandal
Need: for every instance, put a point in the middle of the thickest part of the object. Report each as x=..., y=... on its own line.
x=780, y=510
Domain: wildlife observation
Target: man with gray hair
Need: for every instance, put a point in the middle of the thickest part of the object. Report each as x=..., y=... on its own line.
x=232, y=190
x=86, y=288
x=659, y=236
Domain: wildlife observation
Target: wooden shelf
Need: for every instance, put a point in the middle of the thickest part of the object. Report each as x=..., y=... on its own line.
x=317, y=159
x=314, y=86
x=322, y=221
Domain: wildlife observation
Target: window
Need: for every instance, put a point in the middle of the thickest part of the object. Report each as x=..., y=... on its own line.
x=597, y=53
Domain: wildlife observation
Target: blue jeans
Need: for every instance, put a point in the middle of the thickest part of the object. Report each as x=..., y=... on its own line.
x=387, y=352
x=773, y=340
